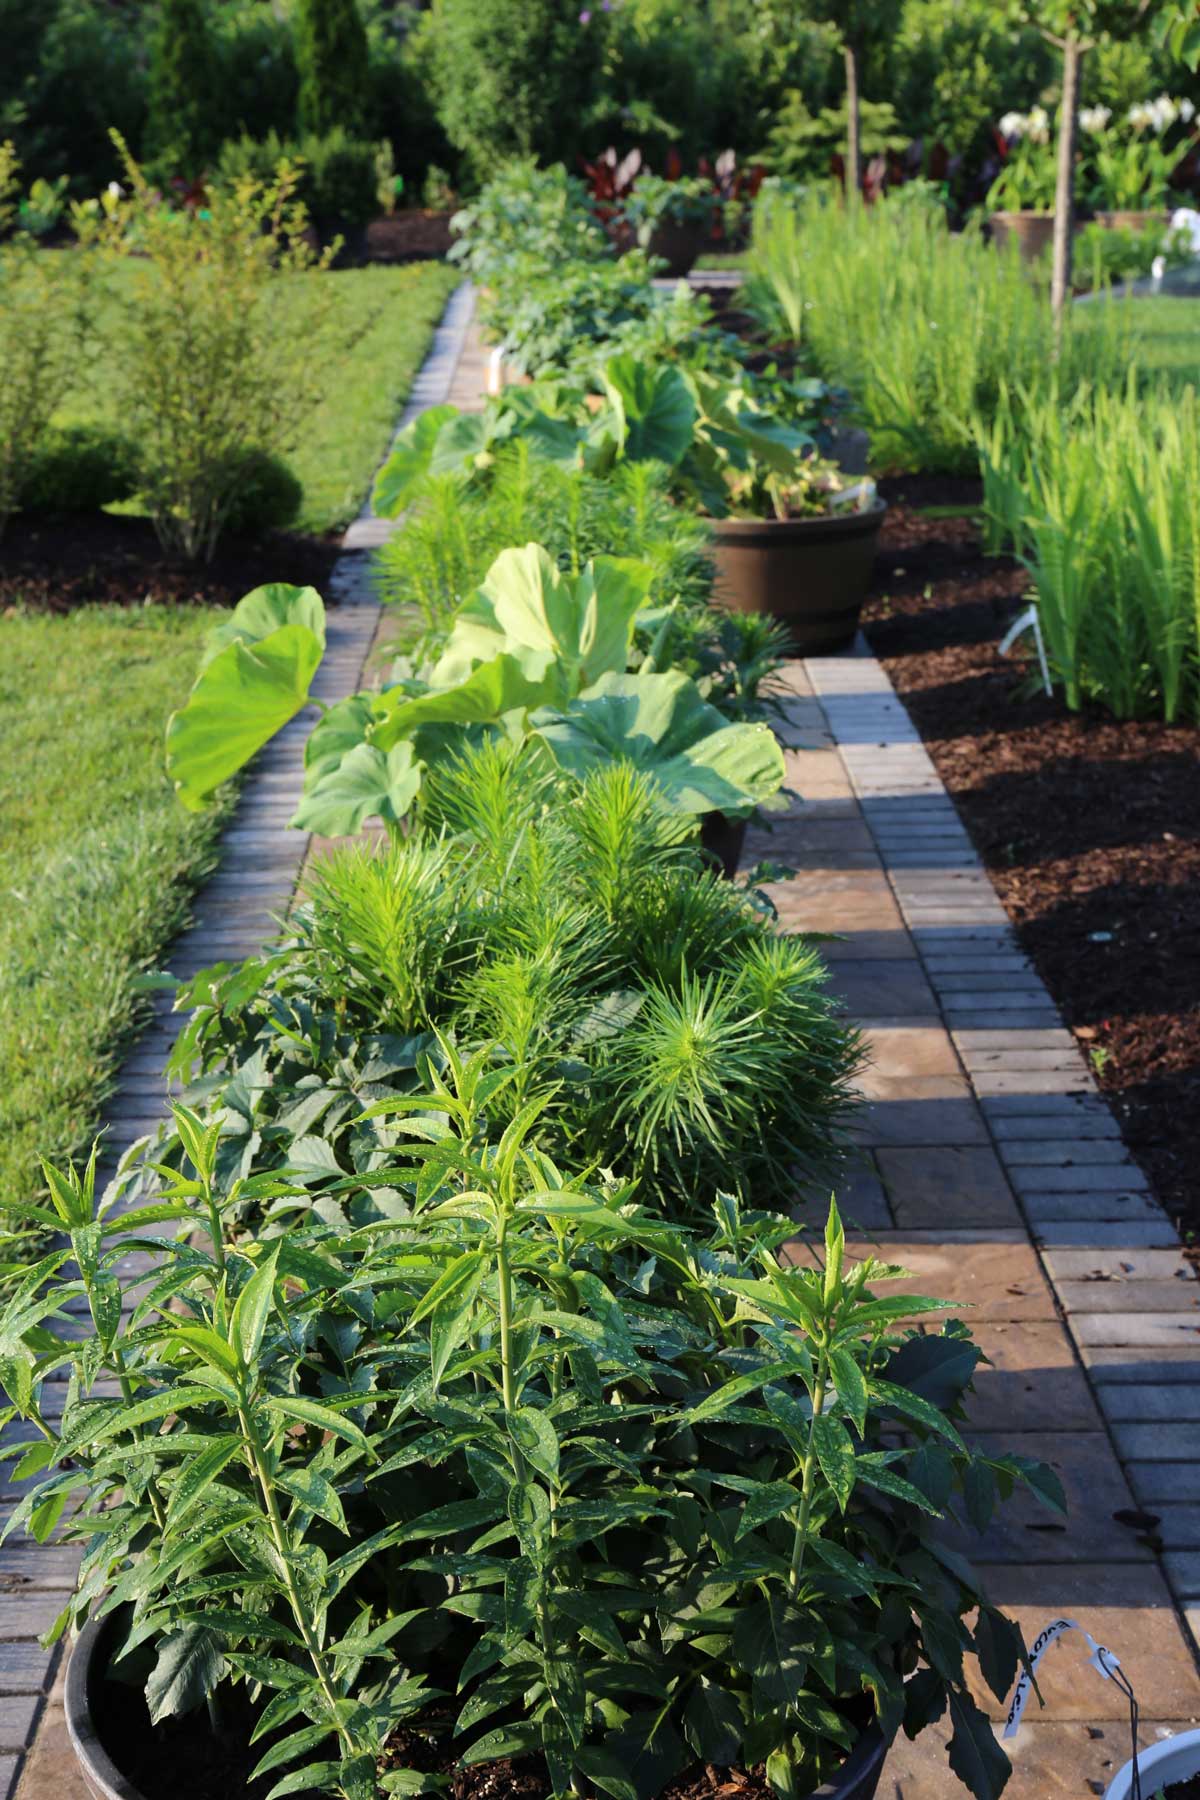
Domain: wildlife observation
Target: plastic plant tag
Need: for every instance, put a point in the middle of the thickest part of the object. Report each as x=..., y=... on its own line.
x=1028, y=621
x=1102, y=1660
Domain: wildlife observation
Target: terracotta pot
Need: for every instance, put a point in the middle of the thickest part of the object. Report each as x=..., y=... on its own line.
x=858, y=1779
x=811, y=574
x=1133, y=221
x=1033, y=231
x=679, y=242
x=723, y=839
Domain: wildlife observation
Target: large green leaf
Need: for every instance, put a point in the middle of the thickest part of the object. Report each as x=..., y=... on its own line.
x=366, y=783
x=190, y=1665
x=241, y=699
x=663, y=725
x=654, y=407
x=528, y=607
x=505, y=684
x=409, y=462
x=263, y=611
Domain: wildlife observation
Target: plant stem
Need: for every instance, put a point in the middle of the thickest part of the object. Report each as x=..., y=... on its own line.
x=504, y=1284
x=257, y=1460
x=810, y=1472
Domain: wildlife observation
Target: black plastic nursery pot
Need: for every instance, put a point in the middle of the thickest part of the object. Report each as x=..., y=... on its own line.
x=723, y=839
x=810, y=574
x=104, y=1779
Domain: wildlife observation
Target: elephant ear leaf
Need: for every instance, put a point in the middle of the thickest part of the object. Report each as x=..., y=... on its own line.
x=503, y=685
x=263, y=611
x=367, y=783
x=253, y=683
x=527, y=606
x=664, y=726
x=654, y=407
x=409, y=462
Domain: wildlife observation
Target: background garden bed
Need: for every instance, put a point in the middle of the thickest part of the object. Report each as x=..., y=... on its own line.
x=1089, y=826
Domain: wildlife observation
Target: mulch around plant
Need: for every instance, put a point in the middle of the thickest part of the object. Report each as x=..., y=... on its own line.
x=413, y=235
x=57, y=564
x=1089, y=826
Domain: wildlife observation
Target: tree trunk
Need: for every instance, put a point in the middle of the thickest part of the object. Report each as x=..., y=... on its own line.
x=1064, y=194
x=853, y=170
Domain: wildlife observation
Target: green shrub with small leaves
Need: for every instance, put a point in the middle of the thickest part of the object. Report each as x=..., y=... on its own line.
x=336, y=177
x=207, y=378
x=44, y=321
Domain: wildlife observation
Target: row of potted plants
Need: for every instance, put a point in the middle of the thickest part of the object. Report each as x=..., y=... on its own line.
x=447, y=1402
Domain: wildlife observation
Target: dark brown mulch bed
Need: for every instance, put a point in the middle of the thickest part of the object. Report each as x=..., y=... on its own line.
x=1089, y=826
x=410, y=236
x=55, y=565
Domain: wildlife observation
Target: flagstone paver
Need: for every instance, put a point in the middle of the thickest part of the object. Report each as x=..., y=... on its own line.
x=1008, y=1185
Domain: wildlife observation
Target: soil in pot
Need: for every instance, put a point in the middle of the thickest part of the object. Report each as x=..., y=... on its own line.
x=1183, y=1790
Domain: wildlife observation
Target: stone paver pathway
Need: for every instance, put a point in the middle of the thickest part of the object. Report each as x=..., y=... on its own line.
x=990, y=1166
x=993, y=1169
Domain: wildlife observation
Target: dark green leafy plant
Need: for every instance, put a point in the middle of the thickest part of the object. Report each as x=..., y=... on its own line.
x=331, y=60
x=677, y=1501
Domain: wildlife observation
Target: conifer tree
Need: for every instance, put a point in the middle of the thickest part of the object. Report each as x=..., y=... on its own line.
x=332, y=60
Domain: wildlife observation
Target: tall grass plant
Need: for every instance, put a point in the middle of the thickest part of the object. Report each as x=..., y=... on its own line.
x=1099, y=495
x=926, y=328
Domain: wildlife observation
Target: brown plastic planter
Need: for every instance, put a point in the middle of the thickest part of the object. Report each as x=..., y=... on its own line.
x=810, y=574
x=857, y=1780
x=679, y=242
x=1033, y=231
x=1133, y=221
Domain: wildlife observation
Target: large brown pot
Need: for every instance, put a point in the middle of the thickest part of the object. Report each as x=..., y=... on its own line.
x=1133, y=221
x=1033, y=232
x=679, y=242
x=810, y=574
x=858, y=1779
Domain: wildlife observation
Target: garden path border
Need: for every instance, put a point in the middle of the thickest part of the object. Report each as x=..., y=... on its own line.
x=235, y=911
x=993, y=1168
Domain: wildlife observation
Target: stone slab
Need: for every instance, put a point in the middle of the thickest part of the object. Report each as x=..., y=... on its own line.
x=1032, y=1381
x=1051, y=1759
x=1177, y=1482
x=1026, y=1530
x=947, y=1185
x=1127, y=1296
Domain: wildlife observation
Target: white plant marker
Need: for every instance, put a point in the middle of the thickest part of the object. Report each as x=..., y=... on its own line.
x=1102, y=1660
x=495, y=375
x=1029, y=621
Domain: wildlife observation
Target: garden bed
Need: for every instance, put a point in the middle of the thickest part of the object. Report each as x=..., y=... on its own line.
x=57, y=564
x=1089, y=826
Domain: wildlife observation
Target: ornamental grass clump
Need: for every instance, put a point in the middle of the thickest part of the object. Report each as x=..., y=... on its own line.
x=923, y=327
x=209, y=373
x=1098, y=495
x=526, y=1472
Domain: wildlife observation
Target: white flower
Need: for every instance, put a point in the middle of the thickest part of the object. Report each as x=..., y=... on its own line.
x=1012, y=126
x=1038, y=124
x=1187, y=111
x=1139, y=116
x=113, y=190
x=1095, y=118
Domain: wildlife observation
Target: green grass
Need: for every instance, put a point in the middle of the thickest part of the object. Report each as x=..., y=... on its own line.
x=386, y=315
x=1167, y=338
x=98, y=858
x=723, y=259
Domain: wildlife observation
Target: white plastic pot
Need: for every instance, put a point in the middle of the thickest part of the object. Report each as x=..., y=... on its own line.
x=1174, y=1759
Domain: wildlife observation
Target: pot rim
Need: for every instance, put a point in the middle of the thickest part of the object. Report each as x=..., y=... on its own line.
x=106, y=1780
x=1121, y=1785
x=101, y=1773
x=822, y=525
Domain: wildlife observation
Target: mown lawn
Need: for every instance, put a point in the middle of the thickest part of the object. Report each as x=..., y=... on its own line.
x=384, y=321
x=97, y=859
x=1167, y=337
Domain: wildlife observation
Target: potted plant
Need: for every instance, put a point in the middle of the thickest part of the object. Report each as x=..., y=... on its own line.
x=1132, y=166
x=671, y=220
x=1020, y=202
x=523, y=1476
x=800, y=546
x=1170, y=1769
